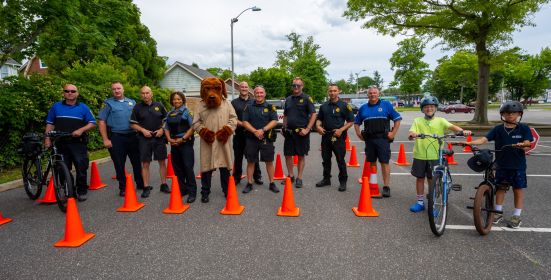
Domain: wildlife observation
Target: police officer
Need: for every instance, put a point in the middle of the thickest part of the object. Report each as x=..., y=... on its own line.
x=377, y=134
x=239, y=138
x=72, y=116
x=299, y=116
x=259, y=120
x=147, y=118
x=179, y=134
x=118, y=137
x=335, y=117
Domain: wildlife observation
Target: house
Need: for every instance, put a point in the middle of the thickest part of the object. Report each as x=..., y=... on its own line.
x=9, y=68
x=183, y=77
x=33, y=66
x=236, y=88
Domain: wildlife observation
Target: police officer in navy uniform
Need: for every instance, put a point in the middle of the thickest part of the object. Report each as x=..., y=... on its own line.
x=377, y=134
x=119, y=137
x=335, y=117
x=72, y=116
x=259, y=120
x=179, y=134
x=299, y=116
x=239, y=138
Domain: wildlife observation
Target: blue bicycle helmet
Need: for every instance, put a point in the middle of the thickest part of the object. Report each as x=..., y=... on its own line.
x=429, y=100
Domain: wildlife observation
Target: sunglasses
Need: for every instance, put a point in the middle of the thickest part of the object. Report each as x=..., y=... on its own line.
x=296, y=85
x=69, y=90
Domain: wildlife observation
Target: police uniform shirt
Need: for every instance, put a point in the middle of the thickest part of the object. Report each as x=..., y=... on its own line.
x=149, y=116
x=68, y=118
x=334, y=115
x=116, y=113
x=298, y=110
x=186, y=115
x=239, y=105
x=380, y=110
x=259, y=115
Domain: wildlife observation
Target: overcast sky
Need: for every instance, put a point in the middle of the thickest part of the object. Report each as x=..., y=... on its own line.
x=199, y=31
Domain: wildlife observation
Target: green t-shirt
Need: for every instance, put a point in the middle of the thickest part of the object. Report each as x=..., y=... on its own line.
x=427, y=149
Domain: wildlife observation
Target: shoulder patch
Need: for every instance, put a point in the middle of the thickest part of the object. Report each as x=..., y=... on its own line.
x=274, y=108
x=311, y=100
x=349, y=107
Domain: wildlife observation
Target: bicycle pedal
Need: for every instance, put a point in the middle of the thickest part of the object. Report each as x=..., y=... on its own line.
x=470, y=207
x=457, y=187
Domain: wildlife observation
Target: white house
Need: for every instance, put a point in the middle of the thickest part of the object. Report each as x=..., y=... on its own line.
x=183, y=77
x=10, y=68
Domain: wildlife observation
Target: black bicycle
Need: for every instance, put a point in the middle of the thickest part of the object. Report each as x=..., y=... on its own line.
x=33, y=177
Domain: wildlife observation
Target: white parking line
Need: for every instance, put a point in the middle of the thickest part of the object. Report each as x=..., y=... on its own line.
x=494, y=228
x=468, y=174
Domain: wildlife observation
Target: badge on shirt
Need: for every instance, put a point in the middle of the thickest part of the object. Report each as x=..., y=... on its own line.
x=157, y=109
x=274, y=108
x=311, y=100
x=380, y=109
x=265, y=110
x=301, y=101
x=338, y=109
x=130, y=103
x=173, y=115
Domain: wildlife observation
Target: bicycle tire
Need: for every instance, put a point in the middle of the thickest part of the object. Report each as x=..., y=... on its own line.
x=483, y=220
x=63, y=184
x=31, y=171
x=437, y=209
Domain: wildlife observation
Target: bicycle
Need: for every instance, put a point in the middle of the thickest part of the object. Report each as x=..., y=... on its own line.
x=440, y=185
x=33, y=177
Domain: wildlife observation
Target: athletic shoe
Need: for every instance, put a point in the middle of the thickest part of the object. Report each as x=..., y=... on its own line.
x=164, y=188
x=274, y=188
x=248, y=188
x=146, y=191
x=324, y=182
x=292, y=181
x=514, y=222
x=298, y=183
x=497, y=218
x=416, y=207
x=386, y=191
x=82, y=197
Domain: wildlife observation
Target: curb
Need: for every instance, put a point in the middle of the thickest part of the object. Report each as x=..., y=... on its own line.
x=19, y=182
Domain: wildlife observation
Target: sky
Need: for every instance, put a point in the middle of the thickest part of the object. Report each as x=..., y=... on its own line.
x=199, y=31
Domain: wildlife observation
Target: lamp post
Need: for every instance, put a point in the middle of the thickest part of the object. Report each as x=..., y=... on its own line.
x=234, y=20
x=357, y=79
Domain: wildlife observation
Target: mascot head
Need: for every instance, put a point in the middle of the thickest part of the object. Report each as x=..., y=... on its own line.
x=213, y=90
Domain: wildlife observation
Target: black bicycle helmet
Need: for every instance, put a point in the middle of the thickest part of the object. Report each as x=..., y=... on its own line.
x=511, y=107
x=429, y=100
x=481, y=160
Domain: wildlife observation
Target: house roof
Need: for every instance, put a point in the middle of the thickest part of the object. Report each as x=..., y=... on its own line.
x=199, y=73
x=236, y=86
x=11, y=61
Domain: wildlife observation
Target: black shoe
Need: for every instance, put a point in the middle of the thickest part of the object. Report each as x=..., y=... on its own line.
x=342, y=187
x=82, y=197
x=164, y=188
x=205, y=198
x=298, y=183
x=190, y=199
x=122, y=193
x=323, y=183
x=386, y=191
x=292, y=180
x=146, y=191
x=273, y=188
x=258, y=181
x=248, y=188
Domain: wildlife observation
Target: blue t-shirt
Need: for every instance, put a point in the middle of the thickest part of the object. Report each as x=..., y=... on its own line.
x=68, y=118
x=116, y=113
x=380, y=110
x=510, y=158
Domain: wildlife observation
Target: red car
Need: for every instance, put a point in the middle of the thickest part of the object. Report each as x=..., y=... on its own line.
x=458, y=108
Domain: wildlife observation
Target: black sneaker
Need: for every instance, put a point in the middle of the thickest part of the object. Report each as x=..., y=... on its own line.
x=342, y=187
x=258, y=181
x=190, y=199
x=298, y=183
x=164, y=188
x=323, y=183
x=386, y=191
x=248, y=188
x=273, y=188
x=146, y=191
x=292, y=181
x=82, y=197
x=205, y=199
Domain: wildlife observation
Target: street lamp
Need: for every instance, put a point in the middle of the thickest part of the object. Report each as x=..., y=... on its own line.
x=234, y=20
x=357, y=79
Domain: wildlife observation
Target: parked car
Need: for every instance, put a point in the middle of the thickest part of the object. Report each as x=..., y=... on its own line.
x=354, y=108
x=441, y=107
x=279, y=107
x=458, y=108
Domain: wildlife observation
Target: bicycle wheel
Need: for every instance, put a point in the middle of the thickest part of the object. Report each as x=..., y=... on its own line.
x=32, y=177
x=63, y=184
x=483, y=200
x=438, y=209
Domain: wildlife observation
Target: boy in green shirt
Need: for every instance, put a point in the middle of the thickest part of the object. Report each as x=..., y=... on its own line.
x=425, y=151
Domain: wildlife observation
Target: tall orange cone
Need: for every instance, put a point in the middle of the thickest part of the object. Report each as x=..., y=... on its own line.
x=365, y=205
x=131, y=203
x=74, y=231
x=402, y=157
x=49, y=196
x=467, y=147
x=278, y=174
x=232, y=201
x=4, y=220
x=347, y=143
x=373, y=185
x=451, y=159
x=288, y=207
x=366, y=172
x=353, y=162
x=175, y=206
x=95, y=179
x=295, y=160
x=169, y=167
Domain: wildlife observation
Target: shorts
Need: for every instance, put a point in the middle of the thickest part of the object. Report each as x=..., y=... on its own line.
x=377, y=148
x=295, y=144
x=514, y=177
x=422, y=168
x=253, y=147
x=153, y=146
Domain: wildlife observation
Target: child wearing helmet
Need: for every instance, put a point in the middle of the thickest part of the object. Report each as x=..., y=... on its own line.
x=425, y=151
x=510, y=163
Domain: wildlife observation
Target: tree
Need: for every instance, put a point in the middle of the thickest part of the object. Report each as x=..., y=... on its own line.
x=457, y=76
x=410, y=69
x=481, y=24
x=276, y=81
x=527, y=76
x=377, y=79
x=345, y=86
x=220, y=73
x=365, y=82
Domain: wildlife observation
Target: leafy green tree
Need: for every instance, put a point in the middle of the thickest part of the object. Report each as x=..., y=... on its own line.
x=410, y=70
x=482, y=24
x=345, y=86
x=377, y=79
x=276, y=81
x=365, y=82
x=527, y=76
x=459, y=75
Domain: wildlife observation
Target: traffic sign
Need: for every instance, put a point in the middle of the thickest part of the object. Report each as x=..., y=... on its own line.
x=534, y=143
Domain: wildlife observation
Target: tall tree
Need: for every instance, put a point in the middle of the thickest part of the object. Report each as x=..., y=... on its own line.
x=345, y=86
x=527, y=76
x=458, y=76
x=276, y=81
x=410, y=70
x=377, y=79
x=481, y=24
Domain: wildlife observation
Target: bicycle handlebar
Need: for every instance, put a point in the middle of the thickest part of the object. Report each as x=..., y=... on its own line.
x=435, y=136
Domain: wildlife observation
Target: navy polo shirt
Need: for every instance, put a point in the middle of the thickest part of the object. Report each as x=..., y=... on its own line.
x=334, y=115
x=298, y=110
x=380, y=110
x=68, y=118
x=116, y=113
x=259, y=115
x=510, y=158
x=149, y=116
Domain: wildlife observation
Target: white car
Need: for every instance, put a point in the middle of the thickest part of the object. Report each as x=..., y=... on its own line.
x=279, y=107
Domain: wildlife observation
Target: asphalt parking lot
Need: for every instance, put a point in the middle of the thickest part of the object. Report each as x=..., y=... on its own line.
x=327, y=241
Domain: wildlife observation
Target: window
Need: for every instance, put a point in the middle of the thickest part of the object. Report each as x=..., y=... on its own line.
x=42, y=64
x=4, y=72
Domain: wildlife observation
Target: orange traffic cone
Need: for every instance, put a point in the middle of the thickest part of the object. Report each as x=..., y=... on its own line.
x=74, y=231
x=353, y=162
x=468, y=148
x=131, y=203
x=365, y=172
x=278, y=174
x=402, y=157
x=365, y=205
x=451, y=159
x=288, y=207
x=169, y=167
x=373, y=185
x=114, y=177
x=95, y=179
x=295, y=160
x=175, y=206
x=347, y=143
x=198, y=176
x=49, y=196
x=4, y=220
x=232, y=201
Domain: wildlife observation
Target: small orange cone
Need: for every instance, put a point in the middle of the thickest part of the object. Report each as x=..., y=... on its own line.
x=402, y=157
x=115, y=176
x=169, y=167
x=175, y=206
x=295, y=160
x=353, y=162
x=347, y=143
x=278, y=174
x=373, y=185
x=365, y=172
x=131, y=203
x=49, y=196
x=95, y=179
x=365, y=205
x=288, y=207
x=198, y=176
x=232, y=201
x=4, y=220
x=468, y=148
x=74, y=231
x=451, y=159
